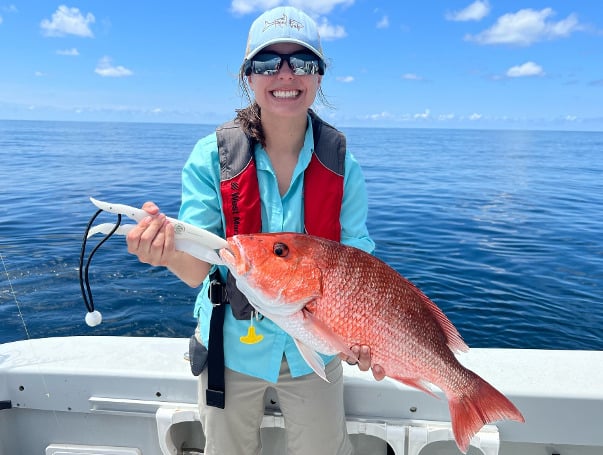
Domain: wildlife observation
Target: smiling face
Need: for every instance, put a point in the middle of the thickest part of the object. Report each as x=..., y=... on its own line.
x=285, y=94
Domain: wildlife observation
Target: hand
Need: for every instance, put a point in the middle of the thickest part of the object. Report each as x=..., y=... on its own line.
x=363, y=353
x=152, y=240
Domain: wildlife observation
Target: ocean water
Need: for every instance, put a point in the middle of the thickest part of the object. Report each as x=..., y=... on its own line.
x=502, y=229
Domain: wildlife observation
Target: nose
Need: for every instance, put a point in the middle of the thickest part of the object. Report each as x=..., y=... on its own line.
x=285, y=70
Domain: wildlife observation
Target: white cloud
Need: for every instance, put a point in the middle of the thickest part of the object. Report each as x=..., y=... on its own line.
x=7, y=9
x=249, y=6
x=330, y=32
x=312, y=7
x=68, y=21
x=474, y=12
x=346, y=79
x=446, y=117
x=475, y=116
x=106, y=69
x=380, y=116
x=383, y=23
x=526, y=27
x=527, y=69
x=39, y=74
x=424, y=115
x=70, y=52
x=411, y=77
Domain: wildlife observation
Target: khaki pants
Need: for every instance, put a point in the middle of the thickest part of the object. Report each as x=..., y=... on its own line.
x=312, y=409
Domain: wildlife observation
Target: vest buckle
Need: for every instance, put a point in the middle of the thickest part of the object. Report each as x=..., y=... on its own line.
x=216, y=292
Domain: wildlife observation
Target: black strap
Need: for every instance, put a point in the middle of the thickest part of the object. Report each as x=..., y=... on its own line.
x=5, y=404
x=215, y=393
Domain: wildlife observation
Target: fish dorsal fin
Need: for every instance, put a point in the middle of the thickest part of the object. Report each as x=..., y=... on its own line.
x=453, y=337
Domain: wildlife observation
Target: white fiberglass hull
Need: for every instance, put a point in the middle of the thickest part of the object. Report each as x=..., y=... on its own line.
x=124, y=395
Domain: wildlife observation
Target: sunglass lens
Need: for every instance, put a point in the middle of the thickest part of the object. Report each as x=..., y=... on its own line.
x=266, y=64
x=303, y=64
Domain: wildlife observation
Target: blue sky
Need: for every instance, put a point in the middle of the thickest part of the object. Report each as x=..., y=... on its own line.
x=524, y=64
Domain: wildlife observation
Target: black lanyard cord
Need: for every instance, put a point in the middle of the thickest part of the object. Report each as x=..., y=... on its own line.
x=83, y=270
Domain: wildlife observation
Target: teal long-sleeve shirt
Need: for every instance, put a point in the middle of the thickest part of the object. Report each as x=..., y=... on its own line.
x=202, y=207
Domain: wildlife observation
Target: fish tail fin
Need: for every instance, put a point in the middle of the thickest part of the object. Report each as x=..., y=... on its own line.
x=477, y=406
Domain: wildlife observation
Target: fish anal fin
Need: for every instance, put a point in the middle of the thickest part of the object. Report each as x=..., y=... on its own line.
x=417, y=383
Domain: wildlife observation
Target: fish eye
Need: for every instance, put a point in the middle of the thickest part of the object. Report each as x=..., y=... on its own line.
x=280, y=249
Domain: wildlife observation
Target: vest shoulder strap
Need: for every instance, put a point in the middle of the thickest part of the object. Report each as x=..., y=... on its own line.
x=238, y=181
x=323, y=181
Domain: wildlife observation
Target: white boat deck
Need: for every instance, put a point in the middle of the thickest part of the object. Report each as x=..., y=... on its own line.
x=122, y=395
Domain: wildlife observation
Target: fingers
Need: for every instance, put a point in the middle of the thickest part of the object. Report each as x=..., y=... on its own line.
x=378, y=372
x=363, y=354
x=364, y=357
x=152, y=240
x=150, y=208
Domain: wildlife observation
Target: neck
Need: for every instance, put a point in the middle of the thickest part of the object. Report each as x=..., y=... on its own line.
x=284, y=140
x=284, y=135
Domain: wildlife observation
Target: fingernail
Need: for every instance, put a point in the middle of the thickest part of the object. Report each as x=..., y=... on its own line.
x=365, y=349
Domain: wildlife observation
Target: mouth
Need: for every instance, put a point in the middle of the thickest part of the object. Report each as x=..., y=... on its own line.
x=285, y=94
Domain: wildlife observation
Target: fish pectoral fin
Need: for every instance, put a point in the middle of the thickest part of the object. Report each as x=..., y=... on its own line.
x=312, y=359
x=324, y=332
x=417, y=383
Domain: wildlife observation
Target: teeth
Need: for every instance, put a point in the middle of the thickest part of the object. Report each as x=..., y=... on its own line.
x=285, y=93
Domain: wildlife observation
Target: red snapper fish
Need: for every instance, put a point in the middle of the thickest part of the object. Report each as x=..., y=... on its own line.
x=329, y=297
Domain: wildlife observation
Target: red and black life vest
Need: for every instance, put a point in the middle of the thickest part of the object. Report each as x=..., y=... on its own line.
x=323, y=189
x=323, y=181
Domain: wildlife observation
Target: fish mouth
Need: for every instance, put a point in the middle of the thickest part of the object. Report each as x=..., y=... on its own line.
x=228, y=255
x=233, y=259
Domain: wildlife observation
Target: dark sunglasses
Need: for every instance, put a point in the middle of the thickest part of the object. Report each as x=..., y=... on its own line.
x=268, y=63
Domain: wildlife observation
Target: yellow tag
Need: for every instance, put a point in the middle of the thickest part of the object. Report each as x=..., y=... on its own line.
x=251, y=337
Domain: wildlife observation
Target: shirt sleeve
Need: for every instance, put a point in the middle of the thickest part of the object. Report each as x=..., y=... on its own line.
x=354, y=207
x=201, y=201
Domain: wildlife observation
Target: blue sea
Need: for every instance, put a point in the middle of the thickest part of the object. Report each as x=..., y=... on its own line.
x=502, y=229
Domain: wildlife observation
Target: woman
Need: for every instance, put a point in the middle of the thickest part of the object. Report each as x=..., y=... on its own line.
x=268, y=184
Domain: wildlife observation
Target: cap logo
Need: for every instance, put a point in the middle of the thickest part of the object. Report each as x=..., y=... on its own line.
x=282, y=22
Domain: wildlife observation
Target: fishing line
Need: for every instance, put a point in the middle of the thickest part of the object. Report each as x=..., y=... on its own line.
x=29, y=340
x=93, y=317
x=12, y=291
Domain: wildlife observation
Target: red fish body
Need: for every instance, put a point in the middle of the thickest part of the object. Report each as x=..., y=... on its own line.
x=329, y=296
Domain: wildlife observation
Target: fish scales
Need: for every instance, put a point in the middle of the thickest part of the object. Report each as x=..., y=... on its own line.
x=389, y=313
